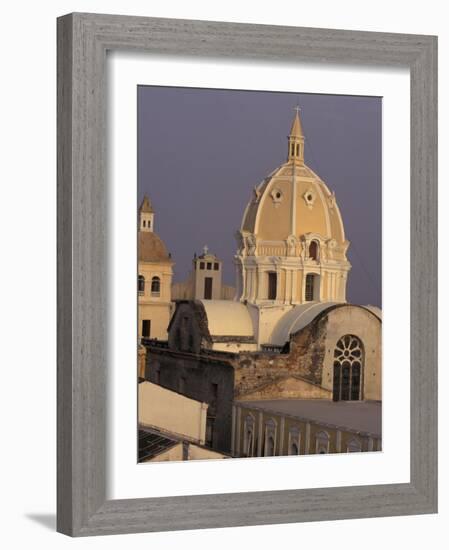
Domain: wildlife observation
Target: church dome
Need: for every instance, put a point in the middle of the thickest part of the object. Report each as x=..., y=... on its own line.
x=293, y=200
x=152, y=248
x=291, y=244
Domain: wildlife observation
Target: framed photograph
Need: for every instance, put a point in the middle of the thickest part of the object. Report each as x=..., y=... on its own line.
x=247, y=274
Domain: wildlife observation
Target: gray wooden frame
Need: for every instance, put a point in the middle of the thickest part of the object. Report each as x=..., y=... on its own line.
x=83, y=40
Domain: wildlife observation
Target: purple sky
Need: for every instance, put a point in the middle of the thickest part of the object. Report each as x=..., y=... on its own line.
x=201, y=151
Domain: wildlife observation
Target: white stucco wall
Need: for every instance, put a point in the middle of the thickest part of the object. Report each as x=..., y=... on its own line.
x=172, y=412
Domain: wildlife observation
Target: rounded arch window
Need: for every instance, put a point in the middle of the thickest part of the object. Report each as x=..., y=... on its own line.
x=314, y=250
x=348, y=369
x=155, y=286
x=141, y=284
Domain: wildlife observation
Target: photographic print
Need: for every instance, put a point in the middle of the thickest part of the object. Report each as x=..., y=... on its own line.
x=259, y=276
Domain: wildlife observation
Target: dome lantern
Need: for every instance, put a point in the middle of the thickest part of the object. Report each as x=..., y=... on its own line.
x=296, y=140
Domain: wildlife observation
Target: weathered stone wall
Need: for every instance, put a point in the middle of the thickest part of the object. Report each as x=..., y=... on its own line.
x=291, y=387
x=255, y=371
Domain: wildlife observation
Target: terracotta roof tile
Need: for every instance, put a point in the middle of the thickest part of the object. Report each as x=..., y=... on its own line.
x=152, y=248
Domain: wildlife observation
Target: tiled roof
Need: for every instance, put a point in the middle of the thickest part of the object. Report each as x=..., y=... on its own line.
x=152, y=248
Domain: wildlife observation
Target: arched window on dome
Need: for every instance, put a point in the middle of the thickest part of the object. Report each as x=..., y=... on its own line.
x=155, y=286
x=141, y=284
x=314, y=251
x=312, y=289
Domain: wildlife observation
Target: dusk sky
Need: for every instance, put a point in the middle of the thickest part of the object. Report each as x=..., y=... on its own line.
x=202, y=151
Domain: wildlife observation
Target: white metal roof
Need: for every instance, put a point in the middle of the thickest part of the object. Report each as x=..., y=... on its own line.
x=228, y=318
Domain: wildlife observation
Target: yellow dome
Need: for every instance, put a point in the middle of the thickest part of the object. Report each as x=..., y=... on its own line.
x=293, y=201
x=270, y=216
x=291, y=244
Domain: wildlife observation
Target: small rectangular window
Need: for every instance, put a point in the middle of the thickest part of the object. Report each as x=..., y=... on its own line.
x=216, y=266
x=146, y=328
x=201, y=265
x=208, y=288
x=310, y=283
x=209, y=265
x=272, y=286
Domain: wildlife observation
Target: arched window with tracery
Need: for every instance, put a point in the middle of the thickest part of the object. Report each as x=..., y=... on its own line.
x=348, y=369
x=314, y=251
x=155, y=286
x=141, y=284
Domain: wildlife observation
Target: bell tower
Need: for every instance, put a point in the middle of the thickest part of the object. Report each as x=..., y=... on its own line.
x=207, y=273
